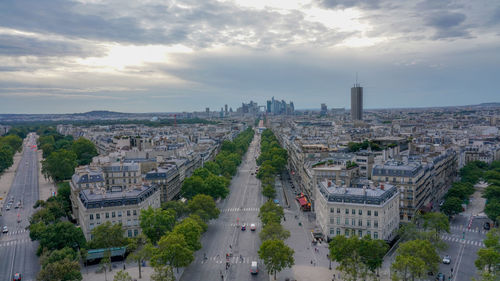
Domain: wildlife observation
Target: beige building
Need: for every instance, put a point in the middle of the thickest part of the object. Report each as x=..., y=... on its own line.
x=372, y=211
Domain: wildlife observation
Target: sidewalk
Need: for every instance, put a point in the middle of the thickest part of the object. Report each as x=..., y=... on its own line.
x=7, y=177
x=45, y=186
x=89, y=273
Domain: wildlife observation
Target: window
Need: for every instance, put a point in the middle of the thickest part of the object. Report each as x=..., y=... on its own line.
x=360, y=233
x=375, y=213
x=360, y=212
x=347, y=211
x=91, y=216
x=107, y=215
x=129, y=233
x=338, y=220
x=368, y=223
x=375, y=235
x=332, y=220
x=332, y=231
x=119, y=213
x=346, y=232
x=136, y=232
x=338, y=210
x=369, y=212
x=332, y=210
x=369, y=233
x=98, y=216
x=353, y=221
x=375, y=223
x=128, y=213
x=360, y=222
x=346, y=221
x=113, y=214
x=353, y=211
x=91, y=225
x=135, y=212
x=338, y=231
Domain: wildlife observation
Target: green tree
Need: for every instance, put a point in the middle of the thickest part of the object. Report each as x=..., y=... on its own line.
x=105, y=263
x=437, y=222
x=60, y=165
x=192, y=186
x=276, y=256
x=216, y=186
x=179, y=207
x=269, y=217
x=57, y=236
x=108, y=235
x=271, y=207
x=191, y=231
x=122, y=276
x=142, y=250
x=492, y=209
x=172, y=250
x=6, y=157
x=407, y=268
x=84, y=150
x=269, y=191
x=488, y=259
x=452, y=206
x=415, y=257
x=163, y=273
x=62, y=270
x=274, y=231
x=58, y=255
x=156, y=222
x=212, y=167
x=13, y=141
x=204, y=206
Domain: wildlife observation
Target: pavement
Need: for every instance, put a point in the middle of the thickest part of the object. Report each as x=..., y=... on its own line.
x=6, y=179
x=17, y=251
x=224, y=235
x=45, y=186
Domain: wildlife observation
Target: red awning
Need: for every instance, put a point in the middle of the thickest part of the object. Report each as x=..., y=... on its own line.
x=302, y=201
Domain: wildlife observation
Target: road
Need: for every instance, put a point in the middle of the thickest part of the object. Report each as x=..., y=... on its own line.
x=17, y=251
x=224, y=234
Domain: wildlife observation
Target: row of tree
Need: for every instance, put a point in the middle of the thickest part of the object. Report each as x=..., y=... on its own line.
x=492, y=192
x=488, y=258
x=357, y=146
x=272, y=161
x=460, y=191
x=214, y=178
x=63, y=154
x=8, y=146
x=420, y=241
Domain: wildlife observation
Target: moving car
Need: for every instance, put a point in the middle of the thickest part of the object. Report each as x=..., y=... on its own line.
x=486, y=226
x=244, y=227
x=5, y=229
x=8, y=207
x=440, y=277
x=447, y=259
x=17, y=277
x=254, y=268
x=252, y=227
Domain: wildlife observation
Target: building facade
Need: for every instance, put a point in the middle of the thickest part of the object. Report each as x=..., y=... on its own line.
x=357, y=102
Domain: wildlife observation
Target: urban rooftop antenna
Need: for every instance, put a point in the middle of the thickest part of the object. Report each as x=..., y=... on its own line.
x=356, y=85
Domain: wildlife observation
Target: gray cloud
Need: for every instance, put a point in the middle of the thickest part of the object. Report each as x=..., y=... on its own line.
x=342, y=4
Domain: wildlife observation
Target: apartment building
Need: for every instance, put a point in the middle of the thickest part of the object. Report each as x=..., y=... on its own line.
x=119, y=174
x=414, y=181
x=167, y=178
x=372, y=211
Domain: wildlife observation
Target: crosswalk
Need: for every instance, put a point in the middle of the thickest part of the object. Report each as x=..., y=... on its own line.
x=228, y=210
x=214, y=222
x=464, y=241
x=14, y=242
x=466, y=229
x=14, y=232
x=232, y=260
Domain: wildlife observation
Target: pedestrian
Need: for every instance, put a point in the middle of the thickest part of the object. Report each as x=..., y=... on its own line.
x=123, y=266
x=311, y=261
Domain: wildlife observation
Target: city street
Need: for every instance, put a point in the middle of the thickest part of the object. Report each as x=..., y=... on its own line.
x=17, y=251
x=224, y=235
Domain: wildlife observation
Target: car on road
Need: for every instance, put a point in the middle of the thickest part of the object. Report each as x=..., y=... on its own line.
x=440, y=277
x=254, y=268
x=17, y=277
x=252, y=227
x=486, y=226
x=5, y=229
x=8, y=207
x=244, y=227
x=447, y=259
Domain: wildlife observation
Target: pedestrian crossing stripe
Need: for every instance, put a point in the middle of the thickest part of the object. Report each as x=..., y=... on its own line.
x=14, y=242
x=475, y=230
x=228, y=210
x=465, y=241
x=232, y=260
x=257, y=224
x=15, y=232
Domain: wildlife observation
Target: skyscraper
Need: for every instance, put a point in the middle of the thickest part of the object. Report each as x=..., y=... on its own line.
x=357, y=102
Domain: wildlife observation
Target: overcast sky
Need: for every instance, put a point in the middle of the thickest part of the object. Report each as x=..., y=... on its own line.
x=61, y=56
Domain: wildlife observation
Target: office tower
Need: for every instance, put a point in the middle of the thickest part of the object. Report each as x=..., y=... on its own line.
x=207, y=110
x=225, y=109
x=357, y=102
x=323, y=109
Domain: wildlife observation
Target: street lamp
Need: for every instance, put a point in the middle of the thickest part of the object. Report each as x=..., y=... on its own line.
x=330, y=266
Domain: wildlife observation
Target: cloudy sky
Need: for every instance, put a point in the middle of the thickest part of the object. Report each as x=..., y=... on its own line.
x=160, y=55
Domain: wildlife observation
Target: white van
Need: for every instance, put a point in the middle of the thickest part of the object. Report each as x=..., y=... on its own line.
x=254, y=269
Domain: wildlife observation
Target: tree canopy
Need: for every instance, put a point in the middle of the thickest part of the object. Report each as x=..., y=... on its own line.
x=276, y=256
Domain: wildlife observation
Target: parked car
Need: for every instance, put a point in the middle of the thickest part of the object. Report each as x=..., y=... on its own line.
x=447, y=259
x=5, y=229
x=17, y=277
x=252, y=227
x=486, y=226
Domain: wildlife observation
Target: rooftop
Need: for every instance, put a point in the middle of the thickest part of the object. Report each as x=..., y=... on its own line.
x=91, y=199
x=370, y=196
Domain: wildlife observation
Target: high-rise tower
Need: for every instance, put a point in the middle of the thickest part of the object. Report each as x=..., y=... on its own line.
x=357, y=102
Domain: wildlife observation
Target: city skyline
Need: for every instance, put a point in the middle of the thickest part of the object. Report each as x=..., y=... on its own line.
x=162, y=57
